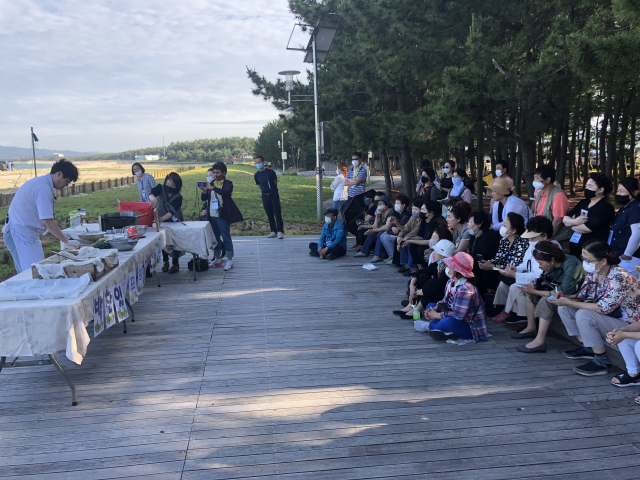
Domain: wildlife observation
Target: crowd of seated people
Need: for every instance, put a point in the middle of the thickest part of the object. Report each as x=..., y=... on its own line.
x=531, y=265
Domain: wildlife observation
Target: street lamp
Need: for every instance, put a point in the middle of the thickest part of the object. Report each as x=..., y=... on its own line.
x=284, y=154
x=288, y=82
x=316, y=51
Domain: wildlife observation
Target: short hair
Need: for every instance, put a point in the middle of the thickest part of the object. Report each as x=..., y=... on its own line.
x=482, y=219
x=461, y=210
x=219, y=166
x=136, y=165
x=418, y=202
x=68, y=169
x=332, y=211
x=462, y=173
x=517, y=222
x=443, y=233
x=370, y=193
x=404, y=200
x=602, y=250
x=631, y=184
x=259, y=157
x=547, y=251
x=426, y=163
x=432, y=205
x=540, y=225
x=357, y=154
x=546, y=171
x=505, y=165
x=450, y=162
x=430, y=172
x=176, y=179
x=601, y=182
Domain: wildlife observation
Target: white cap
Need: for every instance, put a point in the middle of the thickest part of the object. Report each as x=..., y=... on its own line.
x=445, y=248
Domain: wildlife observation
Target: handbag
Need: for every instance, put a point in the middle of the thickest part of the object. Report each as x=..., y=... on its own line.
x=201, y=266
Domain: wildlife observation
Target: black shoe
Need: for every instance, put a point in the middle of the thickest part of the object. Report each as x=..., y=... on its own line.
x=408, y=273
x=404, y=316
x=403, y=269
x=404, y=303
x=314, y=254
x=399, y=312
x=591, y=369
x=581, y=352
x=441, y=336
x=513, y=319
x=331, y=256
x=539, y=349
x=520, y=335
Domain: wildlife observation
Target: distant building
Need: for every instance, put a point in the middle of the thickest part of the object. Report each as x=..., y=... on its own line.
x=246, y=156
x=142, y=158
x=58, y=155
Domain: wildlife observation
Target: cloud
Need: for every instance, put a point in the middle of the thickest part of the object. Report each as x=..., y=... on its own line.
x=111, y=75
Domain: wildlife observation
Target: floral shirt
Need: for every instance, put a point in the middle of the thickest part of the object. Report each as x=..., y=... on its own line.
x=511, y=254
x=619, y=289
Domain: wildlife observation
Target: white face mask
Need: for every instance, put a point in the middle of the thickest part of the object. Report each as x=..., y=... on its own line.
x=538, y=185
x=446, y=170
x=138, y=173
x=209, y=179
x=449, y=273
x=327, y=220
x=397, y=208
x=503, y=232
x=355, y=163
x=498, y=173
x=433, y=242
x=589, y=267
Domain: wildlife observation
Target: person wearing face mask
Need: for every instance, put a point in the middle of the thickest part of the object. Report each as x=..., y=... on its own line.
x=357, y=177
x=380, y=224
x=591, y=217
x=409, y=229
x=144, y=181
x=511, y=249
x=509, y=294
x=340, y=192
x=446, y=183
x=608, y=300
x=550, y=201
x=460, y=314
x=267, y=180
x=624, y=236
x=419, y=241
x=221, y=211
x=426, y=287
x=505, y=203
x=359, y=226
x=502, y=171
x=560, y=273
x=332, y=243
x=484, y=243
x=167, y=201
x=457, y=216
x=427, y=189
x=459, y=191
x=387, y=239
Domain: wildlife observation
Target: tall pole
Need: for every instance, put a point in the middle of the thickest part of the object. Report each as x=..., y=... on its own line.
x=33, y=146
x=315, y=103
x=284, y=167
x=164, y=149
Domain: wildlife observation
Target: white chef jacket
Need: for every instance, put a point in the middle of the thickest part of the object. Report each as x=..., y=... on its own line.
x=33, y=202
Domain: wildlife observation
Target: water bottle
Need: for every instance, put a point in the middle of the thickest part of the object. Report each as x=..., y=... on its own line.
x=416, y=314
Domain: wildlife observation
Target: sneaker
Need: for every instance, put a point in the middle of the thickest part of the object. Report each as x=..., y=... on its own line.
x=228, y=266
x=441, y=336
x=581, y=352
x=591, y=369
x=280, y=235
x=513, y=319
x=272, y=235
x=215, y=263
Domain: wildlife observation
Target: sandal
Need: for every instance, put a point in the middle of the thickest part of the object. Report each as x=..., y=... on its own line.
x=626, y=380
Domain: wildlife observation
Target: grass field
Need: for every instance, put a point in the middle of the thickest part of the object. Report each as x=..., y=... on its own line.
x=297, y=194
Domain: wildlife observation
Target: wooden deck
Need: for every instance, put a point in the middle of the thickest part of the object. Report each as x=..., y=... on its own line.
x=290, y=367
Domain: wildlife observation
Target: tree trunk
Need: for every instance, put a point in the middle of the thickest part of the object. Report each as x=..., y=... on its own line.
x=572, y=160
x=603, y=134
x=563, y=133
x=540, y=152
x=406, y=165
x=580, y=144
x=471, y=157
x=632, y=162
x=527, y=151
x=612, y=145
x=512, y=157
x=622, y=151
x=480, y=166
x=587, y=152
x=384, y=160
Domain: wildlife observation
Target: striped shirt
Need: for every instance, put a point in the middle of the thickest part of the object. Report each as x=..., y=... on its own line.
x=145, y=186
x=357, y=189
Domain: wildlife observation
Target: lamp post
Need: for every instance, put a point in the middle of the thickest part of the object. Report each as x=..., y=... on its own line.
x=283, y=154
x=164, y=149
x=316, y=51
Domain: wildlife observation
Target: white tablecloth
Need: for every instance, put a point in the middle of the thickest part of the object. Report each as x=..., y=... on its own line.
x=50, y=326
x=192, y=237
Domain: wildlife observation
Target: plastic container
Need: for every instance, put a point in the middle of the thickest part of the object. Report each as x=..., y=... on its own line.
x=83, y=216
x=74, y=218
x=416, y=314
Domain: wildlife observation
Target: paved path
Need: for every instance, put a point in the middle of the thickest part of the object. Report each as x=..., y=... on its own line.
x=290, y=367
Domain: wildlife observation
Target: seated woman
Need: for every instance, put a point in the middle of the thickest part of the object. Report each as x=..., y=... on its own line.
x=459, y=192
x=417, y=243
x=167, y=201
x=560, y=273
x=484, y=244
x=461, y=312
x=371, y=198
x=626, y=339
x=388, y=237
x=512, y=277
x=380, y=224
x=608, y=299
x=457, y=216
x=409, y=229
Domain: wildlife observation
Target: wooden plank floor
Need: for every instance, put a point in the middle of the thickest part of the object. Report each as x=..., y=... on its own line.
x=291, y=367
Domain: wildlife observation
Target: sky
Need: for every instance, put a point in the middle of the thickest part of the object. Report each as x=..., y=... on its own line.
x=116, y=75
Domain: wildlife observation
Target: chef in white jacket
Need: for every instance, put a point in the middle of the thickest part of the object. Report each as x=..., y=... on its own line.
x=514, y=300
x=31, y=213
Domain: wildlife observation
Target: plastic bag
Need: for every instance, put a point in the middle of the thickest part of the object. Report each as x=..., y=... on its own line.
x=421, y=325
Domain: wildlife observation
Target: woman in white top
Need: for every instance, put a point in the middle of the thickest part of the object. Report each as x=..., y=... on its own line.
x=340, y=192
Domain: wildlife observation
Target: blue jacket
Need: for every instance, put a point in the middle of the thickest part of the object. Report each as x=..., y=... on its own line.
x=333, y=236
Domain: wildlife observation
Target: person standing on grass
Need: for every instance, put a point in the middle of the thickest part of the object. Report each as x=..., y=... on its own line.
x=221, y=211
x=267, y=180
x=144, y=181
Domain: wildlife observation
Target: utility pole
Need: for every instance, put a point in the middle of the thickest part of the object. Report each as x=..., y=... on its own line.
x=33, y=146
x=164, y=149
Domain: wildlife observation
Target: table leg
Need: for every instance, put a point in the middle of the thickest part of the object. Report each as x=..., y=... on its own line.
x=74, y=397
x=156, y=274
x=195, y=262
x=2, y=361
x=124, y=326
x=133, y=316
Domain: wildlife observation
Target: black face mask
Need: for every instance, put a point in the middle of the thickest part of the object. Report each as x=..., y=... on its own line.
x=423, y=215
x=169, y=189
x=622, y=199
x=589, y=194
x=425, y=180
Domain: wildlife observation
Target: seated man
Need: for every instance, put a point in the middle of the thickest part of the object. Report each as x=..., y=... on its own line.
x=333, y=241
